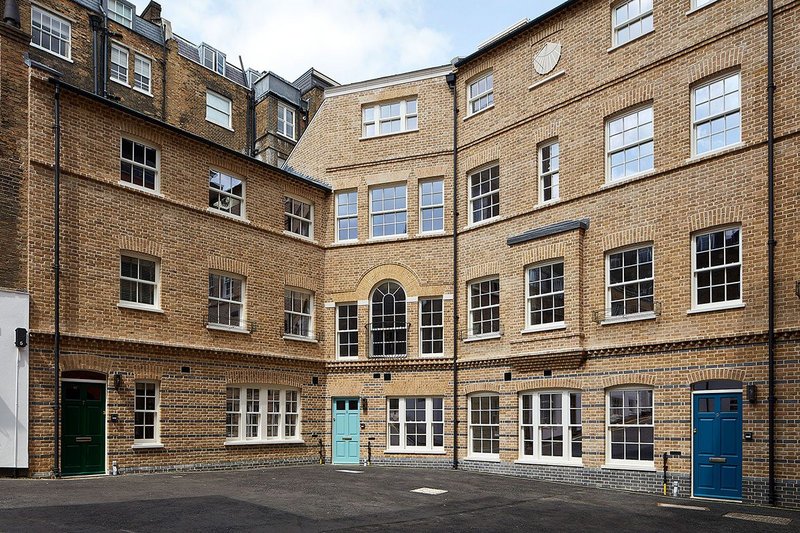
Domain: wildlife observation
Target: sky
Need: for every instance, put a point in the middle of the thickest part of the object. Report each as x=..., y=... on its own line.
x=348, y=40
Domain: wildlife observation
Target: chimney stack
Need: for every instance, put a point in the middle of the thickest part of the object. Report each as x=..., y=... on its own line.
x=11, y=13
x=152, y=12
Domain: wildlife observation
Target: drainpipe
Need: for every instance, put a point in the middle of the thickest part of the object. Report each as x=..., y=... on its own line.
x=164, y=75
x=772, y=243
x=251, y=110
x=104, y=33
x=57, y=284
x=451, y=81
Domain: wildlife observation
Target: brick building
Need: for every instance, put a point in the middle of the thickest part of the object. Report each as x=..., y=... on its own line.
x=550, y=258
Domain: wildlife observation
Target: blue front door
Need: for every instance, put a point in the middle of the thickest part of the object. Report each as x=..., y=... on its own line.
x=346, y=431
x=717, y=443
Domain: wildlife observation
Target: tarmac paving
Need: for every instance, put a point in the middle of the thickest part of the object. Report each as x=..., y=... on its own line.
x=369, y=499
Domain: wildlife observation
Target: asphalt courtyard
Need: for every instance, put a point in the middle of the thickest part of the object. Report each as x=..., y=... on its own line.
x=329, y=498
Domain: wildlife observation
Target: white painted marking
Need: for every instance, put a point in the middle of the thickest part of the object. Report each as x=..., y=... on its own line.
x=351, y=471
x=760, y=518
x=426, y=490
x=676, y=506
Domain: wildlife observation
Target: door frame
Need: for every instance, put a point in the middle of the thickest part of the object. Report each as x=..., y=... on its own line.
x=691, y=432
x=333, y=431
x=105, y=424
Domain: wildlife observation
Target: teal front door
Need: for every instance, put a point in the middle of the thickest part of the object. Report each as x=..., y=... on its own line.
x=83, y=428
x=717, y=445
x=346, y=431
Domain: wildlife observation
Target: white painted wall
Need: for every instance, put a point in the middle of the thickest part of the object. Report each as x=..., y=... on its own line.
x=13, y=382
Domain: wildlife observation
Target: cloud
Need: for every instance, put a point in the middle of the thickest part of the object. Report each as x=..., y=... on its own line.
x=349, y=40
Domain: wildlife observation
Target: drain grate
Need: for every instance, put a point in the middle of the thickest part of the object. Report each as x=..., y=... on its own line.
x=426, y=490
x=760, y=518
x=351, y=471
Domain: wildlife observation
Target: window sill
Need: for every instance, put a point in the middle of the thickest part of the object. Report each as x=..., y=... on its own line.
x=621, y=45
x=699, y=8
x=434, y=233
x=484, y=222
x=229, y=329
x=285, y=137
x=476, y=113
x=299, y=237
x=539, y=462
x=220, y=125
x=119, y=82
x=726, y=307
x=299, y=338
x=142, y=91
x=43, y=49
x=547, y=79
x=415, y=452
x=140, y=307
x=346, y=243
x=628, y=318
x=137, y=188
x=638, y=468
x=147, y=446
x=544, y=327
x=627, y=179
x=486, y=337
x=713, y=153
x=261, y=442
x=229, y=216
x=382, y=135
x=479, y=459
x=388, y=238
x=548, y=203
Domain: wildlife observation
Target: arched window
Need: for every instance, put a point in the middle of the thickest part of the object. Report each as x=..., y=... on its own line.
x=388, y=326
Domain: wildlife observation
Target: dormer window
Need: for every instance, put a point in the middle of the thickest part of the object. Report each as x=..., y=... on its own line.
x=121, y=12
x=212, y=59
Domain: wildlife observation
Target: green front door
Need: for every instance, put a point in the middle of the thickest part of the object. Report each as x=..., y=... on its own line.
x=83, y=428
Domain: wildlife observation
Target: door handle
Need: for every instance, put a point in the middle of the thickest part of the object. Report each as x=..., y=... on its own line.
x=83, y=439
x=717, y=460
x=347, y=438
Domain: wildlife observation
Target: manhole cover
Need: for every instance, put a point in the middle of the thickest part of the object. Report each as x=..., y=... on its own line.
x=760, y=518
x=426, y=490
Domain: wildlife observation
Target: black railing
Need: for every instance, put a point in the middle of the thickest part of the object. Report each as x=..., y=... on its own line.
x=600, y=315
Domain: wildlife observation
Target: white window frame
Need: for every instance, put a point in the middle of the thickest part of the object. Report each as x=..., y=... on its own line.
x=471, y=426
x=402, y=428
x=476, y=98
x=618, y=26
x=480, y=196
x=289, y=217
x=555, y=324
x=700, y=4
x=218, y=59
x=408, y=116
x=143, y=165
x=430, y=207
x=536, y=425
x=348, y=332
x=348, y=216
x=263, y=415
x=225, y=194
x=156, y=305
x=422, y=327
x=121, y=52
x=156, y=411
x=393, y=325
x=286, y=125
x=120, y=16
x=229, y=112
x=35, y=9
x=242, y=326
x=554, y=173
x=628, y=463
x=138, y=83
x=293, y=293
x=642, y=314
x=373, y=213
x=471, y=322
x=638, y=143
x=695, y=271
x=696, y=124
